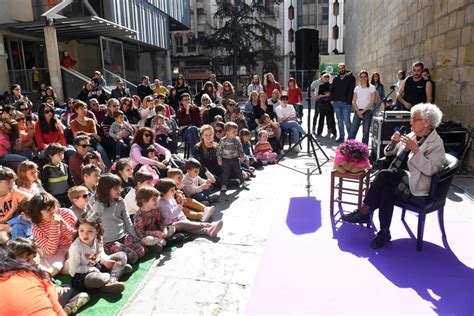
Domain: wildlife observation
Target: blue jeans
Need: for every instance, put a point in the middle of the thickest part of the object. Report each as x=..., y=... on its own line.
x=201, y=196
x=119, y=144
x=7, y=158
x=191, y=136
x=343, y=115
x=295, y=128
x=366, y=122
x=69, y=152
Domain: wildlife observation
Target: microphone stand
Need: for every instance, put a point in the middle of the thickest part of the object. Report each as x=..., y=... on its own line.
x=384, y=101
x=312, y=142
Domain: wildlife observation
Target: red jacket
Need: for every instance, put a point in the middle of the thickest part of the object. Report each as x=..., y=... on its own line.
x=44, y=139
x=68, y=62
x=295, y=96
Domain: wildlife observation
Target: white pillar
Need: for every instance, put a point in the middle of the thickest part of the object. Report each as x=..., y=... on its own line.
x=168, y=73
x=52, y=53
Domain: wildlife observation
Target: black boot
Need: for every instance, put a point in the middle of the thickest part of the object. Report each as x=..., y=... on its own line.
x=356, y=217
x=381, y=239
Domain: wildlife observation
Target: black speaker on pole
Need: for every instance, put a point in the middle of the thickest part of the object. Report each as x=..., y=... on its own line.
x=307, y=49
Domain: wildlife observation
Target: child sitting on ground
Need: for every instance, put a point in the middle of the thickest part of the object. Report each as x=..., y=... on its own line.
x=79, y=197
x=91, y=174
x=28, y=180
x=27, y=251
x=263, y=150
x=194, y=186
x=245, y=138
x=156, y=171
x=265, y=123
x=21, y=224
x=141, y=179
x=55, y=175
x=119, y=233
x=228, y=153
x=123, y=168
x=192, y=209
x=147, y=220
x=53, y=230
x=94, y=158
x=172, y=213
x=89, y=266
x=121, y=131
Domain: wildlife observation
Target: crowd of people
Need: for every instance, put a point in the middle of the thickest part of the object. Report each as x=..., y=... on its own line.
x=88, y=187
x=343, y=94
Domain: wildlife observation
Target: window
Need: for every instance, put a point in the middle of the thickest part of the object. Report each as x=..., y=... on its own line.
x=191, y=45
x=179, y=43
x=323, y=46
x=325, y=14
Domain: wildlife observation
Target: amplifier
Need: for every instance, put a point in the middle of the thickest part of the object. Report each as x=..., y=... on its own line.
x=382, y=131
x=397, y=115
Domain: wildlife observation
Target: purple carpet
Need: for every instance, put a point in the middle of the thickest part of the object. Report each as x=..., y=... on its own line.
x=314, y=265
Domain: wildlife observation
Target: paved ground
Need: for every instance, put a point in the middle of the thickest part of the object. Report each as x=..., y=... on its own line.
x=214, y=277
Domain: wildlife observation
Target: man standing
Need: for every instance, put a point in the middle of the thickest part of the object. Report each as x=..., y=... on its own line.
x=342, y=89
x=314, y=96
x=415, y=89
x=143, y=89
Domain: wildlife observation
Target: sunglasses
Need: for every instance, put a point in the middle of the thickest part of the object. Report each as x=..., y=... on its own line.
x=85, y=196
x=48, y=111
x=147, y=135
x=219, y=130
x=20, y=119
x=83, y=145
x=23, y=109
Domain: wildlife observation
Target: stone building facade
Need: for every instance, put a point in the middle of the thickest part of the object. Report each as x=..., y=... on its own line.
x=387, y=35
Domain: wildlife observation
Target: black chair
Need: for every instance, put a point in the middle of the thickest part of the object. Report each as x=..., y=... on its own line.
x=435, y=201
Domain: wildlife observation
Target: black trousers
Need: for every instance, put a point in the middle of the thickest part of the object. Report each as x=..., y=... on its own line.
x=229, y=167
x=382, y=194
x=326, y=111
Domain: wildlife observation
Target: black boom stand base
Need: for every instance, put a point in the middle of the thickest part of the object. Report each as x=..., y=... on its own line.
x=312, y=144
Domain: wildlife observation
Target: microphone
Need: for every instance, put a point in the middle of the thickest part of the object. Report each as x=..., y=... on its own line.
x=393, y=144
x=393, y=86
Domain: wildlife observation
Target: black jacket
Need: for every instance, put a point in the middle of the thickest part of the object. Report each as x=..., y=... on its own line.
x=343, y=89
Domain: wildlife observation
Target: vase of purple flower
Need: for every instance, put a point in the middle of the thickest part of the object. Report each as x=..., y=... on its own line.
x=352, y=156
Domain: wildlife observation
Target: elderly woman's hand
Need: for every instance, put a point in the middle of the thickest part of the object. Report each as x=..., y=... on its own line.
x=410, y=143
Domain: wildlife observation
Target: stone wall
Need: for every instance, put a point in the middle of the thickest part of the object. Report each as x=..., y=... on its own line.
x=387, y=35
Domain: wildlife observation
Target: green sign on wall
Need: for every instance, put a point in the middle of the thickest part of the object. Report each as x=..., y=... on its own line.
x=330, y=68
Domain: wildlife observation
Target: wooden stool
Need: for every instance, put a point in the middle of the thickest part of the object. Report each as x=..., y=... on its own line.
x=361, y=178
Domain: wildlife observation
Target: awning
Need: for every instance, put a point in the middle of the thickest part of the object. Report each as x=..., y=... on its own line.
x=73, y=28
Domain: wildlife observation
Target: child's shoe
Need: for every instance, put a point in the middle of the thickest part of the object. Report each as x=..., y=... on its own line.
x=76, y=302
x=208, y=211
x=215, y=228
x=113, y=287
x=128, y=269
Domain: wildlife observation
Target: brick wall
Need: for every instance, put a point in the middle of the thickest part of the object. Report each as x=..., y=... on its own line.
x=387, y=35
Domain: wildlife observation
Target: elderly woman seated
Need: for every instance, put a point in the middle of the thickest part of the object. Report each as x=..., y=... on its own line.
x=419, y=155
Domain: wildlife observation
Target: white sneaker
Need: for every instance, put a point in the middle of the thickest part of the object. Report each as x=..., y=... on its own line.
x=208, y=211
x=76, y=302
x=296, y=149
x=223, y=188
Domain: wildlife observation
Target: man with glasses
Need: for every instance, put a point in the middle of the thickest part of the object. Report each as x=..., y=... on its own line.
x=100, y=111
x=10, y=196
x=120, y=91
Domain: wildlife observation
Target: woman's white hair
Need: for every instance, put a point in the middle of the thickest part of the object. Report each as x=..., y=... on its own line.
x=206, y=96
x=429, y=112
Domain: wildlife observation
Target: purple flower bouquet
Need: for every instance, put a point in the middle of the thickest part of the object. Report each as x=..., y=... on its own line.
x=352, y=156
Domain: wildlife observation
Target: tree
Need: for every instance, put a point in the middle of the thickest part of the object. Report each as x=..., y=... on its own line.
x=245, y=37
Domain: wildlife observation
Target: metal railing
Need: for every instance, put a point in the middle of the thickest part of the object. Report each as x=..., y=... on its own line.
x=26, y=78
x=111, y=78
x=73, y=81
